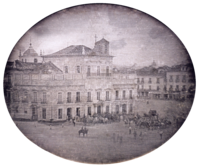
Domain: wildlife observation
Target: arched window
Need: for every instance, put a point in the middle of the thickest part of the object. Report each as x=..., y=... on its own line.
x=35, y=60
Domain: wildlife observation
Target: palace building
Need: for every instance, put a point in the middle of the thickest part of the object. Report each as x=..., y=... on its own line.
x=79, y=81
x=75, y=81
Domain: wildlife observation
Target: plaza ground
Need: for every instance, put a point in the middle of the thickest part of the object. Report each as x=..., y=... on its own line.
x=99, y=147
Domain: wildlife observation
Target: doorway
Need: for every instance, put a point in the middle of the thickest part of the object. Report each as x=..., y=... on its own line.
x=69, y=113
x=99, y=109
x=34, y=113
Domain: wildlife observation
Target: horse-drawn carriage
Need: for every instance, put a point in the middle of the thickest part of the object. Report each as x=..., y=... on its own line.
x=150, y=121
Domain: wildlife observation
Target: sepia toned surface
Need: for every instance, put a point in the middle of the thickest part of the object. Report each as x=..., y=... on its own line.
x=104, y=67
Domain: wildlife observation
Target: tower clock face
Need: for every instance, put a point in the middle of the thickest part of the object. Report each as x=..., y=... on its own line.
x=99, y=83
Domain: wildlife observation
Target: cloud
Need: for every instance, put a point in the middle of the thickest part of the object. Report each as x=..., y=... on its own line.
x=118, y=44
x=157, y=32
x=124, y=18
x=40, y=30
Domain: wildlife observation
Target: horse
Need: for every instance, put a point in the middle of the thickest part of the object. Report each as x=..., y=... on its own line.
x=145, y=124
x=83, y=131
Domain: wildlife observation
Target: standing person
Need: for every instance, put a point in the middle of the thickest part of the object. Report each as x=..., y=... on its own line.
x=129, y=129
x=135, y=134
x=73, y=120
x=141, y=135
x=121, y=137
x=161, y=134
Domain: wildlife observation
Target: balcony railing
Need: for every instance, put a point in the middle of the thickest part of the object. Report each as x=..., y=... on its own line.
x=98, y=74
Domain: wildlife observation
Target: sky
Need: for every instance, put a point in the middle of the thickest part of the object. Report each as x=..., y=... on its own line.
x=135, y=37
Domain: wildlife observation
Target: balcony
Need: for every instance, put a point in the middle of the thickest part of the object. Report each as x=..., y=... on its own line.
x=98, y=75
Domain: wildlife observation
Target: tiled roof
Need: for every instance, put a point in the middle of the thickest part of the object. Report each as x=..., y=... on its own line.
x=73, y=50
x=46, y=67
x=30, y=52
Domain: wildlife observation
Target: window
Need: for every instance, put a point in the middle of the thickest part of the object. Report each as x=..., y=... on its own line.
x=150, y=81
x=69, y=97
x=171, y=88
x=34, y=96
x=25, y=60
x=130, y=94
x=131, y=108
x=78, y=113
x=89, y=97
x=78, y=69
x=98, y=95
x=124, y=94
x=107, y=95
x=89, y=111
x=117, y=109
x=43, y=113
x=60, y=97
x=165, y=88
x=138, y=86
x=33, y=111
x=184, y=88
x=88, y=71
x=59, y=113
x=107, y=71
x=158, y=80
x=149, y=87
x=138, y=80
x=177, y=87
x=22, y=60
x=170, y=78
x=184, y=78
x=44, y=97
x=35, y=60
x=98, y=70
x=66, y=69
x=142, y=81
x=25, y=96
x=177, y=78
x=78, y=97
x=107, y=108
x=25, y=112
x=117, y=95
x=9, y=78
x=142, y=86
x=16, y=96
x=158, y=88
